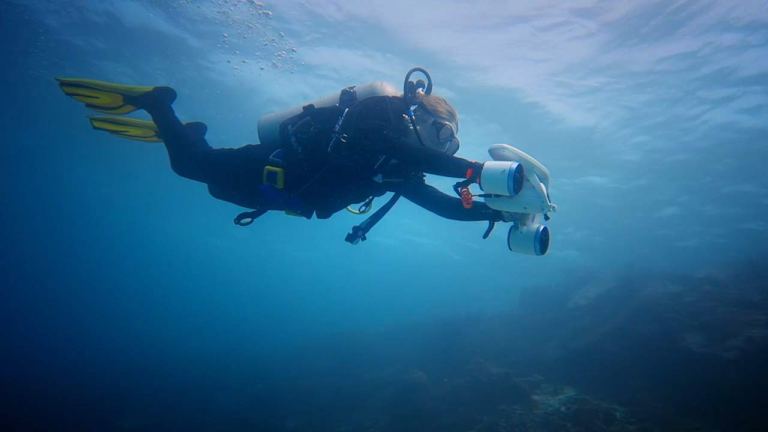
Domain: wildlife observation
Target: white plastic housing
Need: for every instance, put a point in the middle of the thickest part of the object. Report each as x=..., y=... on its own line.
x=505, y=152
x=534, y=195
x=269, y=124
x=502, y=177
x=532, y=198
x=530, y=239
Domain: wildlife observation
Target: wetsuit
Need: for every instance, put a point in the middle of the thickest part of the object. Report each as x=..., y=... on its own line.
x=374, y=158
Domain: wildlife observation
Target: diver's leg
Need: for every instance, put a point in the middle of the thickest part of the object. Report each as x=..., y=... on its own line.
x=232, y=174
x=186, y=145
x=190, y=155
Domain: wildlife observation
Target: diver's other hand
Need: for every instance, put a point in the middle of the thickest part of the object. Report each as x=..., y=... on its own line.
x=471, y=176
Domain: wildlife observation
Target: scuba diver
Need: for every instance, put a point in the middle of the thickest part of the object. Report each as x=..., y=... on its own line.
x=319, y=160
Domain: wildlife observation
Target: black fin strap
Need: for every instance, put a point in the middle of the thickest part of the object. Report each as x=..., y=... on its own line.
x=247, y=218
x=359, y=232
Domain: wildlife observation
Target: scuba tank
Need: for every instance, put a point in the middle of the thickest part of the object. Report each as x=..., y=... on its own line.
x=269, y=134
x=269, y=124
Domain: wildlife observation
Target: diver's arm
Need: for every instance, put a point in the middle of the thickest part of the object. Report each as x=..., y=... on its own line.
x=427, y=160
x=428, y=197
x=376, y=125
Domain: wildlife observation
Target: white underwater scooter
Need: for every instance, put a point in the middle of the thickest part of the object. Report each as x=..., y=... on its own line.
x=516, y=183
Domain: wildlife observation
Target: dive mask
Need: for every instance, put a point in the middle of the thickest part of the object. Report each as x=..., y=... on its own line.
x=436, y=134
x=447, y=140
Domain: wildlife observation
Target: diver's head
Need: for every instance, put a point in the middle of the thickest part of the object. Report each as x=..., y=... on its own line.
x=436, y=124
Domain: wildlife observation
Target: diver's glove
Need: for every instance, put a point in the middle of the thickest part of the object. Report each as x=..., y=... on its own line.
x=462, y=188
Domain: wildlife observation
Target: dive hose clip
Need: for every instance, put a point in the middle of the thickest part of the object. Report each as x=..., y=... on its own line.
x=363, y=208
x=359, y=232
x=347, y=98
x=462, y=190
x=337, y=136
x=247, y=218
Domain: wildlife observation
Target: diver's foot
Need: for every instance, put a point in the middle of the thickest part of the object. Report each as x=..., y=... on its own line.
x=158, y=97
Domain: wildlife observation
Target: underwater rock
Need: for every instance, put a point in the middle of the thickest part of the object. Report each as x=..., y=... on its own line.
x=684, y=349
x=561, y=408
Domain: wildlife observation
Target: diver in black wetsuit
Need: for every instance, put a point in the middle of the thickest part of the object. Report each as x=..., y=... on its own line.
x=235, y=175
x=326, y=158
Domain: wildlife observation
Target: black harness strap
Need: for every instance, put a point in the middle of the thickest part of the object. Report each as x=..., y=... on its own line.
x=359, y=231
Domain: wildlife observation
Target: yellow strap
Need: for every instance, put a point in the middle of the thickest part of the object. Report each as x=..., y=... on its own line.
x=279, y=176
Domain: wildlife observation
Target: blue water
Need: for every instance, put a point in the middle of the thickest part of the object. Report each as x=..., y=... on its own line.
x=129, y=300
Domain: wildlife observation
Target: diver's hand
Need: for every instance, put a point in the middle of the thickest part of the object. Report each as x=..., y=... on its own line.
x=462, y=188
x=474, y=173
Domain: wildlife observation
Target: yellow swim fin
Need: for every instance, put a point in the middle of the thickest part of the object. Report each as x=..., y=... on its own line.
x=140, y=130
x=112, y=98
x=103, y=96
x=126, y=127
